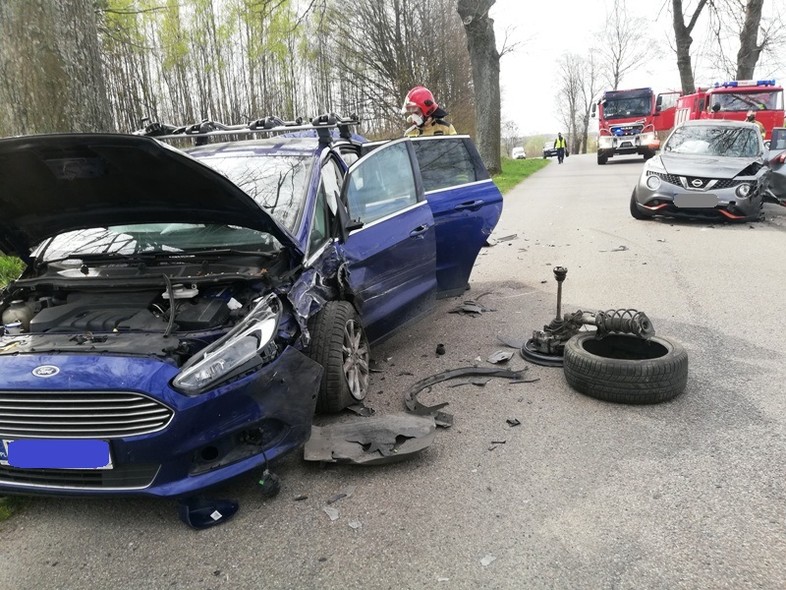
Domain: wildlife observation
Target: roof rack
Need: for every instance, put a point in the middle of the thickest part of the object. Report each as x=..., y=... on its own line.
x=323, y=125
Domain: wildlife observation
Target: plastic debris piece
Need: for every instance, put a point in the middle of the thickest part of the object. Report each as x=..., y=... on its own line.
x=471, y=308
x=373, y=441
x=513, y=422
x=200, y=513
x=500, y=356
x=480, y=382
x=443, y=579
x=487, y=560
x=440, y=349
x=355, y=524
x=361, y=410
x=335, y=498
x=300, y=498
x=331, y=512
x=519, y=381
x=508, y=238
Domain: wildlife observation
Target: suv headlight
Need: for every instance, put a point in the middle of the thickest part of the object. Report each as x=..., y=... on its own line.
x=743, y=190
x=653, y=182
x=241, y=344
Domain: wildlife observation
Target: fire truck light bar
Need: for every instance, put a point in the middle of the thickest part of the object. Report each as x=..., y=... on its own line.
x=736, y=83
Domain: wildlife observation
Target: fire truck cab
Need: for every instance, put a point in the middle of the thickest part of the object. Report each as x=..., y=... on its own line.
x=732, y=100
x=632, y=121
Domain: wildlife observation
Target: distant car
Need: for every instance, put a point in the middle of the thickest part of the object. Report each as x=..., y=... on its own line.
x=711, y=169
x=549, y=150
x=183, y=311
x=776, y=179
x=518, y=153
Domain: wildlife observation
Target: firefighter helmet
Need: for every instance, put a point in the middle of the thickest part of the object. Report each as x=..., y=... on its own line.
x=419, y=98
x=751, y=116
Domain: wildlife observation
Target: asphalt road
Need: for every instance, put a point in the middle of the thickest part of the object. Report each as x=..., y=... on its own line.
x=583, y=494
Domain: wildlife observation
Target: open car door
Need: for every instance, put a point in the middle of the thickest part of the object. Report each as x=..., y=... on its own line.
x=465, y=203
x=390, y=248
x=775, y=184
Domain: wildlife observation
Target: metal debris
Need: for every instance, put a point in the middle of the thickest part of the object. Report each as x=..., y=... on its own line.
x=513, y=422
x=300, y=498
x=507, y=238
x=500, y=356
x=385, y=439
x=347, y=493
x=471, y=308
x=361, y=410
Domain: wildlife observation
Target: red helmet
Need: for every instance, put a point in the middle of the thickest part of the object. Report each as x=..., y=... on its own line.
x=419, y=98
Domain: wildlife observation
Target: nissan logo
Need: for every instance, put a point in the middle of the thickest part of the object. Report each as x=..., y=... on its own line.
x=45, y=371
x=697, y=182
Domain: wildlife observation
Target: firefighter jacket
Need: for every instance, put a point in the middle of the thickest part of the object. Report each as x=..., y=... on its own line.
x=431, y=127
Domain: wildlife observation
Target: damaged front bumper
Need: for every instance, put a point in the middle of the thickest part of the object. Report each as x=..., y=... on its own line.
x=159, y=441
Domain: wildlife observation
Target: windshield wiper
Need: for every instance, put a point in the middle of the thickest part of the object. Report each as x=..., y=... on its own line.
x=110, y=257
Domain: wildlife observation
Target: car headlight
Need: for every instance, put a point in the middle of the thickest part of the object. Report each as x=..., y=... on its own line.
x=743, y=190
x=240, y=345
x=653, y=182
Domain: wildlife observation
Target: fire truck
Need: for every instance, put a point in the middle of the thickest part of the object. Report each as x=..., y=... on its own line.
x=733, y=100
x=633, y=121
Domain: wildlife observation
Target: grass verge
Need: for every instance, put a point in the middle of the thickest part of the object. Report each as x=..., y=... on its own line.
x=9, y=505
x=10, y=268
x=514, y=171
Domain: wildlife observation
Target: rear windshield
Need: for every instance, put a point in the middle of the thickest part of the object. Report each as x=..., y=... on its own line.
x=732, y=142
x=276, y=182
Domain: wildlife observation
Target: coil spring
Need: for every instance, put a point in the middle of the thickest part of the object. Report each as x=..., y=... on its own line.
x=625, y=321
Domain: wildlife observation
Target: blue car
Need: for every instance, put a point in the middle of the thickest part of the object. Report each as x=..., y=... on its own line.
x=184, y=311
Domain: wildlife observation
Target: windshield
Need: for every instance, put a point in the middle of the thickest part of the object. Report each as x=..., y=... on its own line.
x=276, y=183
x=749, y=101
x=730, y=142
x=622, y=107
x=154, y=238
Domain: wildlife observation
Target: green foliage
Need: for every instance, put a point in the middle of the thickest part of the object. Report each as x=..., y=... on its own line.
x=10, y=269
x=514, y=171
x=9, y=505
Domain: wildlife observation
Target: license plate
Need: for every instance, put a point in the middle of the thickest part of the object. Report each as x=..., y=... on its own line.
x=695, y=201
x=55, y=454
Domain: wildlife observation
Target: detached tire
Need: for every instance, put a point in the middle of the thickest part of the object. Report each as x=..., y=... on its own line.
x=626, y=369
x=339, y=344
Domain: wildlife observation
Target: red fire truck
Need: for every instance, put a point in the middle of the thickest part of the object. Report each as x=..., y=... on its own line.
x=733, y=100
x=633, y=121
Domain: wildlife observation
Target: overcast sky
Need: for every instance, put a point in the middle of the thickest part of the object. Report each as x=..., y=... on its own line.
x=546, y=30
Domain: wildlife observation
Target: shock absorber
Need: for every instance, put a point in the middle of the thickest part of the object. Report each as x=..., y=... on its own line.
x=623, y=321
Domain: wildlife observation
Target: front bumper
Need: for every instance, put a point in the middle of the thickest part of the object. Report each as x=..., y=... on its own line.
x=209, y=439
x=674, y=200
x=643, y=144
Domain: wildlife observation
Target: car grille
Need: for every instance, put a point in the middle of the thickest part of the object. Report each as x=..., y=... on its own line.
x=670, y=178
x=726, y=183
x=120, y=477
x=79, y=414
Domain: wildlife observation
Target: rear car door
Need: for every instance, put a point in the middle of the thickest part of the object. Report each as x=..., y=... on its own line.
x=465, y=203
x=391, y=247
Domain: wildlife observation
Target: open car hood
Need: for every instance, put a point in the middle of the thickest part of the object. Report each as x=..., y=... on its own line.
x=705, y=166
x=58, y=183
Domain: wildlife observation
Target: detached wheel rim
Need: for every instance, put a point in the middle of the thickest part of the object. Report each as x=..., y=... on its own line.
x=356, y=359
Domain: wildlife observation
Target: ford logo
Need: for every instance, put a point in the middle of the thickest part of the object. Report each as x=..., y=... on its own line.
x=697, y=182
x=45, y=371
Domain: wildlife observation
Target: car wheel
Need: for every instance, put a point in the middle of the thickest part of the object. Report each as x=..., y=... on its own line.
x=339, y=344
x=634, y=208
x=626, y=369
x=602, y=160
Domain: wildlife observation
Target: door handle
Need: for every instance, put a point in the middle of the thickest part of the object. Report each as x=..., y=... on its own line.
x=469, y=205
x=419, y=230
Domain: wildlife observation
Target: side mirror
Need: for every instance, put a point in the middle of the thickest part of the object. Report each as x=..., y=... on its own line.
x=716, y=107
x=658, y=105
x=593, y=113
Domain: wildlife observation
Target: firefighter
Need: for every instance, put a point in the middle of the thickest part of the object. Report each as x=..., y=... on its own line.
x=561, y=146
x=425, y=114
x=751, y=118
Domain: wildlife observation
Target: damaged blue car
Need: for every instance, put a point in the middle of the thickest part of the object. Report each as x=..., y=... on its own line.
x=184, y=311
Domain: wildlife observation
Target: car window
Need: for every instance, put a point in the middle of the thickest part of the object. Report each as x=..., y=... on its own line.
x=381, y=184
x=778, y=141
x=326, y=204
x=732, y=142
x=276, y=183
x=444, y=163
x=746, y=101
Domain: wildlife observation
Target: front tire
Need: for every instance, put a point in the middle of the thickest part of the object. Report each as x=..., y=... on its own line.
x=634, y=208
x=339, y=344
x=602, y=160
x=626, y=369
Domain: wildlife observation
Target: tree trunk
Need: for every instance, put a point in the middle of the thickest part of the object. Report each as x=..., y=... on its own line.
x=485, y=76
x=51, y=50
x=750, y=49
x=683, y=41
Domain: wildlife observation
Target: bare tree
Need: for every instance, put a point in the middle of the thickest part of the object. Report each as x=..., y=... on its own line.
x=570, y=72
x=683, y=42
x=510, y=135
x=485, y=77
x=623, y=43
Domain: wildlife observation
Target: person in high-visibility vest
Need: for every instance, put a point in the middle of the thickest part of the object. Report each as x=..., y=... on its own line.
x=561, y=146
x=751, y=118
x=425, y=115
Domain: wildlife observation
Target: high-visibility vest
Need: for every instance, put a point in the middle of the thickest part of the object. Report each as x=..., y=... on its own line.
x=560, y=143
